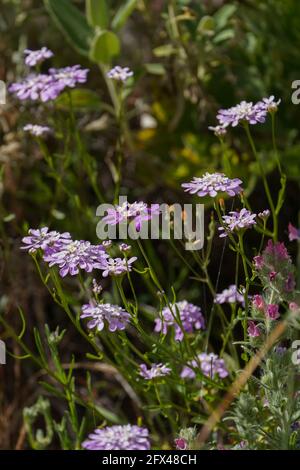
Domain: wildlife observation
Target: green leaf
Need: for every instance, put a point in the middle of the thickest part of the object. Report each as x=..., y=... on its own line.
x=97, y=13
x=72, y=24
x=105, y=46
x=206, y=24
x=164, y=51
x=224, y=14
x=123, y=14
x=224, y=36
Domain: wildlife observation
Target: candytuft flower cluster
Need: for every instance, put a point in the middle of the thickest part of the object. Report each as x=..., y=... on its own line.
x=213, y=184
x=125, y=437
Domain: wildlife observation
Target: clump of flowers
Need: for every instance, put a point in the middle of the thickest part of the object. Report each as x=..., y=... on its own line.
x=190, y=319
x=44, y=239
x=210, y=365
x=120, y=74
x=33, y=58
x=116, y=317
x=137, y=212
x=230, y=296
x=155, y=371
x=36, y=130
x=47, y=87
x=237, y=220
x=125, y=437
x=211, y=184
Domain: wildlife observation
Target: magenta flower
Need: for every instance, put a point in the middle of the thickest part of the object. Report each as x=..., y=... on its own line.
x=117, y=437
x=277, y=251
x=258, y=262
x=210, y=365
x=155, y=371
x=137, y=212
x=212, y=184
x=43, y=239
x=120, y=74
x=117, y=266
x=273, y=311
x=253, y=330
x=36, y=57
x=99, y=314
x=36, y=130
x=237, y=221
x=181, y=443
x=294, y=233
x=230, y=296
x=191, y=319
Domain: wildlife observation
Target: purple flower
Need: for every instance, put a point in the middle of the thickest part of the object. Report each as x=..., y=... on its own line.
x=117, y=266
x=36, y=57
x=272, y=311
x=69, y=77
x=277, y=251
x=120, y=74
x=46, y=87
x=191, y=319
x=258, y=262
x=294, y=233
x=210, y=365
x=258, y=302
x=155, y=371
x=219, y=131
x=99, y=314
x=212, y=184
x=243, y=112
x=42, y=238
x=75, y=255
x=270, y=104
x=230, y=296
x=137, y=212
x=36, y=130
x=124, y=247
x=125, y=437
x=253, y=330
x=36, y=87
x=237, y=221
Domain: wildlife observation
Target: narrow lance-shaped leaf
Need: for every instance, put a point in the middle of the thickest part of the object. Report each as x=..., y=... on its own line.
x=123, y=14
x=72, y=24
x=97, y=13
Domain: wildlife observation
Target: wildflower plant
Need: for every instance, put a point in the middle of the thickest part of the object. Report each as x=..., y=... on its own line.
x=168, y=336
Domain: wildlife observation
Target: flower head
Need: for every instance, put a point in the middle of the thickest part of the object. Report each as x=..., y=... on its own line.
x=36, y=87
x=270, y=104
x=99, y=314
x=117, y=437
x=191, y=319
x=120, y=74
x=243, y=112
x=36, y=57
x=253, y=330
x=155, y=371
x=294, y=233
x=219, y=131
x=258, y=302
x=264, y=214
x=75, y=255
x=230, y=296
x=210, y=365
x=43, y=239
x=211, y=184
x=36, y=130
x=237, y=221
x=272, y=311
x=69, y=77
x=117, y=266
